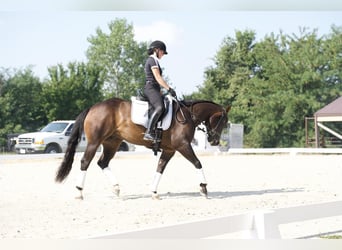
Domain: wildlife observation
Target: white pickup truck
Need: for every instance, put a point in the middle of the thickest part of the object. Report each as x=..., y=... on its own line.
x=53, y=138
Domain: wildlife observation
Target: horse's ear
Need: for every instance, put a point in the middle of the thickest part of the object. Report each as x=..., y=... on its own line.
x=228, y=108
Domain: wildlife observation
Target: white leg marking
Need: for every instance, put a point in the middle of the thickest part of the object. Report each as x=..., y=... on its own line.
x=81, y=179
x=201, y=176
x=108, y=172
x=155, y=183
x=80, y=184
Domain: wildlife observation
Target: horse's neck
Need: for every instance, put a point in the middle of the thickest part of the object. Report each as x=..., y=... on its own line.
x=202, y=111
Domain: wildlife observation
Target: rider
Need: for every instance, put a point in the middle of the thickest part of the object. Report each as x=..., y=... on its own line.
x=154, y=81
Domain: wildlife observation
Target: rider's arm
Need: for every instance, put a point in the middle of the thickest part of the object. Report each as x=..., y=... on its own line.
x=159, y=78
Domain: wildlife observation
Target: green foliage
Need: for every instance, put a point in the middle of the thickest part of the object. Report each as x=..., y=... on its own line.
x=20, y=103
x=71, y=90
x=272, y=84
x=120, y=58
x=275, y=83
x=20, y=100
x=26, y=104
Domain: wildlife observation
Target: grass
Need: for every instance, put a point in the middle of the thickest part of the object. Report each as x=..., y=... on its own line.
x=332, y=237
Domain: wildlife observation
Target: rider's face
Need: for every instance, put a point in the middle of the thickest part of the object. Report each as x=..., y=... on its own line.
x=160, y=53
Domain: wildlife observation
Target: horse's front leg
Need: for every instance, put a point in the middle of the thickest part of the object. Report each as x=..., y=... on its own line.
x=187, y=151
x=163, y=160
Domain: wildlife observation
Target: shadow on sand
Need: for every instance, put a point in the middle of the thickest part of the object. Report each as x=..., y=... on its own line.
x=215, y=194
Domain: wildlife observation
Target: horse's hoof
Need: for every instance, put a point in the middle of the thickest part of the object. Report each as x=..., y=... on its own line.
x=116, y=190
x=79, y=197
x=204, y=194
x=155, y=196
x=203, y=190
x=79, y=193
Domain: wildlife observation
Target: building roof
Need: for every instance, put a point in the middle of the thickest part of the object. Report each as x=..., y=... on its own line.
x=332, y=110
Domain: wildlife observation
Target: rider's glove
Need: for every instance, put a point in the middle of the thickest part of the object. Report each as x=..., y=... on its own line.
x=172, y=92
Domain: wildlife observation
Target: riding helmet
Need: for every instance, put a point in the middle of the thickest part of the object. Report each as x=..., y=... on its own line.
x=158, y=45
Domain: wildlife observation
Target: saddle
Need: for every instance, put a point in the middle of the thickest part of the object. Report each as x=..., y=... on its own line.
x=140, y=112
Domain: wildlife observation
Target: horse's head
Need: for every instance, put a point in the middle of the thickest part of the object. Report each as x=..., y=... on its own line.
x=215, y=124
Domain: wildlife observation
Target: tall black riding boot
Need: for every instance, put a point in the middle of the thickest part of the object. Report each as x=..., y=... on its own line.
x=149, y=134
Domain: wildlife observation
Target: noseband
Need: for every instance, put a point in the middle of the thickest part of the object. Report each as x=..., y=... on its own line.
x=214, y=132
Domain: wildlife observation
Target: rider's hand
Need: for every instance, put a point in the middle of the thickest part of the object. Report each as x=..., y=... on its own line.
x=172, y=92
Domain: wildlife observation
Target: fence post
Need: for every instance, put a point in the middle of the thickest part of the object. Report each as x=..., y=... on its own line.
x=264, y=227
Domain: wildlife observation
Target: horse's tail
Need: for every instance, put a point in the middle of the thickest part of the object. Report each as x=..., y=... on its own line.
x=75, y=138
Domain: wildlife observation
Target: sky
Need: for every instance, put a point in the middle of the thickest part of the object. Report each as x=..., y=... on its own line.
x=50, y=36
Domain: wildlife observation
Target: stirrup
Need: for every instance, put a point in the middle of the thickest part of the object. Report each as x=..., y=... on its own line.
x=148, y=137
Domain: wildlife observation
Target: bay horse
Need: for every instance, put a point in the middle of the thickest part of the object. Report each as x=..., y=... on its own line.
x=109, y=123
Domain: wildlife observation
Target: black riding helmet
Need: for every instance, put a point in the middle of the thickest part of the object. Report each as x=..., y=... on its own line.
x=158, y=45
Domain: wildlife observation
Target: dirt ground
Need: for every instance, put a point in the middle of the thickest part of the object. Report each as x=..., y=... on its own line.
x=33, y=206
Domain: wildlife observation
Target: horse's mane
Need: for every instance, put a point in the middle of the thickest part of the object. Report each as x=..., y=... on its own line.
x=189, y=103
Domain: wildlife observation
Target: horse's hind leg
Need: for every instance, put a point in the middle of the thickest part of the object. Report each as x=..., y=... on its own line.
x=109, y=150
x=163, y=160
x=85, y=162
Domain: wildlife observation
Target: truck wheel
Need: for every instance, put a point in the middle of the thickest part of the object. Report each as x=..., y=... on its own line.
x=52, y=149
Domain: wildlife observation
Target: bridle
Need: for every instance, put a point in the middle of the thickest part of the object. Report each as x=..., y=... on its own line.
x=213, y=132
x=210, y=132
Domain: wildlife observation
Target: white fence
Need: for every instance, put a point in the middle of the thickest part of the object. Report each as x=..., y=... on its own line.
x=254, y=225
x=291, y=151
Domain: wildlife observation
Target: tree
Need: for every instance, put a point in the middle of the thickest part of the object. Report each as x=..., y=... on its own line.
x=21, y=89
x=233, y=64
x=275, y=83
x=70, y=90
x=120, y=58
x=21, y=107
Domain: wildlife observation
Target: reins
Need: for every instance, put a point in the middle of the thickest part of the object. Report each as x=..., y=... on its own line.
x=180, y=104
x=179, y=108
